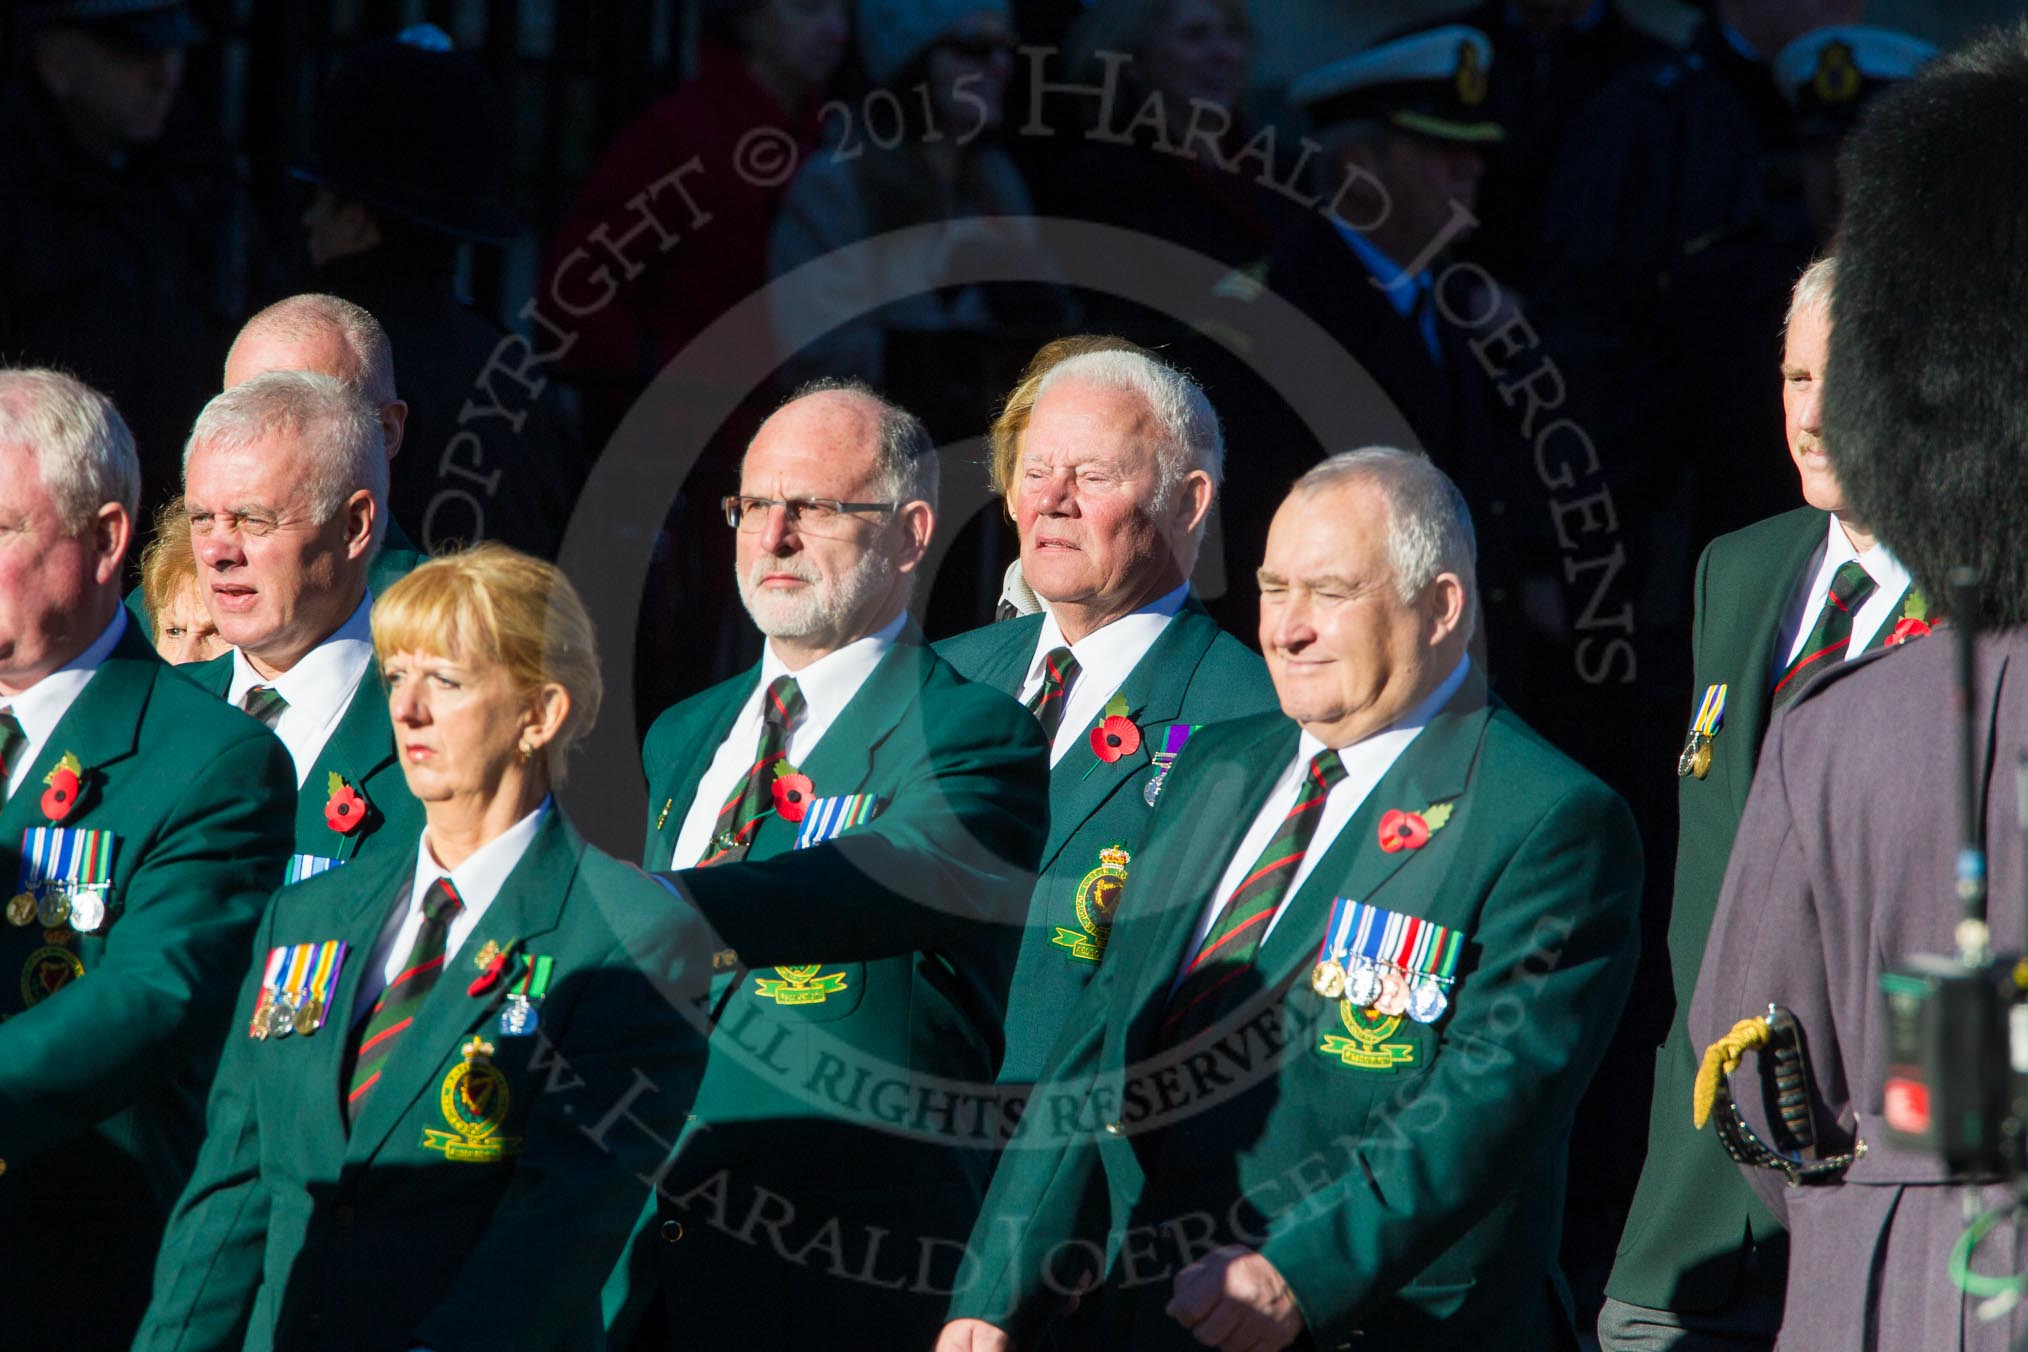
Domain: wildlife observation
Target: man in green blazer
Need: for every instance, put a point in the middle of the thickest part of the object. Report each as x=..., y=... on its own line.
x=141, y=828
x=1777, y=603
x=860, y=826
x=286, y=488
x=333, y=337
x=1119, y=466
x=1323, y=1084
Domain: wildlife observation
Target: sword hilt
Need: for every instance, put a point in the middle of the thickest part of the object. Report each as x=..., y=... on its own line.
x=1792, y=1079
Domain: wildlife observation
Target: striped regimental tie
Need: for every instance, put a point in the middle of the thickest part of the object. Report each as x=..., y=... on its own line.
x=265, y=703
x=753, y=797
x=12, y=740
x=1831, y=635
x=1059, y=669
x=1229, y=948
x=396, y=1008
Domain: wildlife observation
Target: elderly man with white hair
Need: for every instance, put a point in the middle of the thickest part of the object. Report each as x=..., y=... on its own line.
x=141, y=828
x=1375, y=947
x=285, y=484
x=330, y=336
x=1115, y=476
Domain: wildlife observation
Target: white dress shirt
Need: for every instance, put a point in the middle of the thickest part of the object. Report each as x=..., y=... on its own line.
x=827, y=685
x=1105, y=658
x=477, y=882
x=318, y=689
x=42, y=706
x=1365, y=762
x=1877, y=612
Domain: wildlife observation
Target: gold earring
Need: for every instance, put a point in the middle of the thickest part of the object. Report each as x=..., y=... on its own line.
x=526, y=751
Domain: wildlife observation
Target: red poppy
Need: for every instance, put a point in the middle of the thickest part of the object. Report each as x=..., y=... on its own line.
x=1115, y=737
x=489, y=978
x=344, y=810
x=1403, y=831
x=61, y=795
x=792, y=796
x=1909, y=627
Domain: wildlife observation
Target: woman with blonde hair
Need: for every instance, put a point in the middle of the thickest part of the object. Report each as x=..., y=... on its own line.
x=395, y=1131
x=173, y=596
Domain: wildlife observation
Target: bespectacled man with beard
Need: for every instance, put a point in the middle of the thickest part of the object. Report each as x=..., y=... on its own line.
x=861, y=825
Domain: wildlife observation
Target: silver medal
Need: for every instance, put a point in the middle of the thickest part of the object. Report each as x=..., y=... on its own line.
x=52, y=907
x=1363, y=985
x=281, y=1017
x=1427, y=1002
x=518, y=1017
x=88, y=909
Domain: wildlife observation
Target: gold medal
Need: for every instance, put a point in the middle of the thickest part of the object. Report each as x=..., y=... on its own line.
x=309, y=1016
x=21, y=909
x=1700, y=763
x=1328, y=980
x=257, y=1027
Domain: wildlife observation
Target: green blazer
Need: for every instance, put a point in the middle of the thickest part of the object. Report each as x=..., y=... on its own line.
x=361, y=752
x=1194, y=673
x=427, y=1223
x=1693, y=1216
x=1411, y=1191
x=398, y=557
x=856, y=1014
x=102, y=1082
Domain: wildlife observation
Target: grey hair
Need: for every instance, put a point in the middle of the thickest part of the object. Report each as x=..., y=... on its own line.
x=1429, y=527
x=905, y=459
x=82, y=447
x=1191, y=437
x=299, y=318
x=337, y=431
x=1813, y=289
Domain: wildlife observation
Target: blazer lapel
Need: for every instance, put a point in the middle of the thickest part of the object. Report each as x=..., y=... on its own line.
x=358, y=921
x=101, y=728
x=1225, y=797
x=1081, y=783
x=1006, y=668
x=529, y=906
x=1435, y=768
x=843, y=757
x=1887, y=626
x=703, y=733
x=361, y=746
x=1747, y=701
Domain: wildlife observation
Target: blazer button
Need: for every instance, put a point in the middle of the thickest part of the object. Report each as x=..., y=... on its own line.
x=344, y=1215
x=1115, y=1129
x=671, y=1231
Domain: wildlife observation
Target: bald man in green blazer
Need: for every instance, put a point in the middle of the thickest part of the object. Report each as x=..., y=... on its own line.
x=860, y=825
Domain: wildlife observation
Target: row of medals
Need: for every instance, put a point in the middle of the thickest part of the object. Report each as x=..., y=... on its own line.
x=80, y=905
x=1379, y=986
x=278, y=1015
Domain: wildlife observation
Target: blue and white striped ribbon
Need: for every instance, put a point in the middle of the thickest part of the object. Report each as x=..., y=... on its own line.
x=826, y=817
